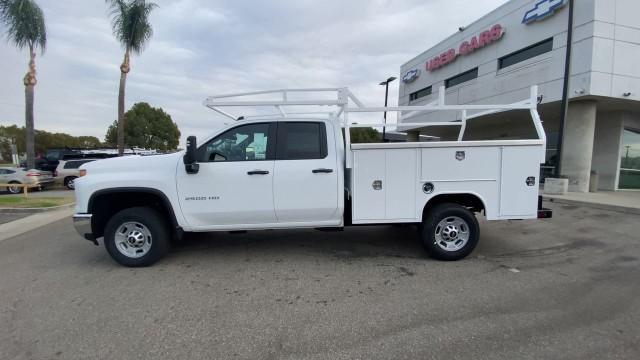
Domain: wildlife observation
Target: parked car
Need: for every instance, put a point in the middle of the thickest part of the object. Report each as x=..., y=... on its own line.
x=52, y=158
x=68, y=171
x=9, y=175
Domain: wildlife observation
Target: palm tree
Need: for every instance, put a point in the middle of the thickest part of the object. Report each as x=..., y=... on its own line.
x=131, y=27
x=25, y=28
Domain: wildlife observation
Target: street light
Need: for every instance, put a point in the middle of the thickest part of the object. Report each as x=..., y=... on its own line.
x=386, y=101
x=565, y=90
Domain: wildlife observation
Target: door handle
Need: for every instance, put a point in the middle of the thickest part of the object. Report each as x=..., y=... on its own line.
x=322, y=171
x=258, y=172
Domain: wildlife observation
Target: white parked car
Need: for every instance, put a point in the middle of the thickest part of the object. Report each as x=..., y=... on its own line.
x=17, y=176
x=69, y=170
x=300, y=171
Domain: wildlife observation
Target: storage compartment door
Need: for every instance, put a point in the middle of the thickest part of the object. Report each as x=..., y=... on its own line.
x=368, y=201
x=401, y=183
x=519, y=195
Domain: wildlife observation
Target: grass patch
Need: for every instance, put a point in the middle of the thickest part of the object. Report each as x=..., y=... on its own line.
x=19, y=201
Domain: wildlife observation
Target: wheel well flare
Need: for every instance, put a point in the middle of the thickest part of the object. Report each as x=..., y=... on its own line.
x=470, y=201
x=104, y=204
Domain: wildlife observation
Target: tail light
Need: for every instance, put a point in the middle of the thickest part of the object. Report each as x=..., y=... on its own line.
x=83, y=172
x=34, y=174
x=55, y=173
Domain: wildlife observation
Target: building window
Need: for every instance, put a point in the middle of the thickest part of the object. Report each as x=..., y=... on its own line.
x=526, y=53
x=421, y=93
x=462, y=78
x=630, y=160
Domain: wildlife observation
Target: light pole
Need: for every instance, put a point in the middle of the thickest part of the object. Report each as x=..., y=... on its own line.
x=565, y=89
x=386, y=101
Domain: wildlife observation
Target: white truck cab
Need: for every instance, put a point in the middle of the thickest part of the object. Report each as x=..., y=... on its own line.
x=289, y=170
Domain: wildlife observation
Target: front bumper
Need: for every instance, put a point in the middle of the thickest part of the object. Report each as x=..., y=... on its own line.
x=82, y=223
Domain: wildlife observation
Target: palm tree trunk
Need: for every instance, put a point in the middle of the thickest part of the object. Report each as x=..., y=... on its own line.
x=124, y=70
x=29, y=90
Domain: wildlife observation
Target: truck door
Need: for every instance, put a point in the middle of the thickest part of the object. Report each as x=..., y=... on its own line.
x=234, y=185
x=306, y=173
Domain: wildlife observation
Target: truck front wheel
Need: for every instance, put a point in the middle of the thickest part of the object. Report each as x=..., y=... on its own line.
x=136, y=237
x=449, y=232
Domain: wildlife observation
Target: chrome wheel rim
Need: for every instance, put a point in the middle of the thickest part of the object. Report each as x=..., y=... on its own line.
x=452, y=233
x=133, y=240
x=14, y=189
x=70, y=184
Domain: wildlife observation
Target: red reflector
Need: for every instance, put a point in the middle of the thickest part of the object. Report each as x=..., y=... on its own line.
x=545, y=214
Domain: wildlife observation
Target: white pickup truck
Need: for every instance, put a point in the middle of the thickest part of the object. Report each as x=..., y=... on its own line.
x=300, y=170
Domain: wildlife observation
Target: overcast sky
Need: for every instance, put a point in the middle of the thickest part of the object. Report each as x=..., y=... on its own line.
x=208, y=47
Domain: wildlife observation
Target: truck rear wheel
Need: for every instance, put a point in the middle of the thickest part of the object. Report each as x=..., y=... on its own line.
x=449, y=232
x=136, y=237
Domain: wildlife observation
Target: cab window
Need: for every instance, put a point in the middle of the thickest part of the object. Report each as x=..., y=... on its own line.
x=301, y=141
x=250, y=142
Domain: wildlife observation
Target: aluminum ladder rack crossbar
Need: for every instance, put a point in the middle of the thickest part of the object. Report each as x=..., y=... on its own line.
x=340, y=99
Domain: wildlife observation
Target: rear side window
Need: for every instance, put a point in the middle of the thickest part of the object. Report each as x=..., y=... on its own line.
x=301, y=141
x=75, y=164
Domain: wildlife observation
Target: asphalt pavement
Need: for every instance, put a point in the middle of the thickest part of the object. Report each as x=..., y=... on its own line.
x=565, y=288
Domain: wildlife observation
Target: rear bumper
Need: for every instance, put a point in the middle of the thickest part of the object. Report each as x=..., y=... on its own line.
x=35, y=182
x=82, y=223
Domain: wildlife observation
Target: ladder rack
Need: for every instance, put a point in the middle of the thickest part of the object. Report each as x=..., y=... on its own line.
x=345, y=102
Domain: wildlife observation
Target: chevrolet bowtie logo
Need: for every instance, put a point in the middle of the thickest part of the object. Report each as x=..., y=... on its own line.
x=542, y=10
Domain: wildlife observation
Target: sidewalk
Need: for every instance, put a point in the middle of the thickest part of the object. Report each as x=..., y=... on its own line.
x=622, y=201
x=15, y=221
x=28, y=223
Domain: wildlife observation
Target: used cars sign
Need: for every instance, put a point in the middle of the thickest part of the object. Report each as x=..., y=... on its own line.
x=467, y=47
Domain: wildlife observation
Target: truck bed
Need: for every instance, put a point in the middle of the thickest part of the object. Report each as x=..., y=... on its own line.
x=503, y=174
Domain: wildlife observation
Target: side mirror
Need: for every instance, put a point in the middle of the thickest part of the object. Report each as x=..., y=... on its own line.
x=190, y=163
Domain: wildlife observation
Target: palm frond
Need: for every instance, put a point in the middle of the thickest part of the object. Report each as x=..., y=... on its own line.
x=25, y=23
x=130, y=22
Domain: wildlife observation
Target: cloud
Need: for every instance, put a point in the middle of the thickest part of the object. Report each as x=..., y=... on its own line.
x=204, y=47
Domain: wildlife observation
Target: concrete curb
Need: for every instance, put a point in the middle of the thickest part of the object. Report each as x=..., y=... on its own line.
x=28, y=223
x=34, y=210
x=616, y=208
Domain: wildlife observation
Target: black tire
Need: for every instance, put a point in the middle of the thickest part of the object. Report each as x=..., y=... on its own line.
x=69, y=182
x=13, y=189
x=456, y=219
x=154, y=222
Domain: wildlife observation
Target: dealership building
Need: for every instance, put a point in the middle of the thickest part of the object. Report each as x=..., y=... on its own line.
x=497, y=59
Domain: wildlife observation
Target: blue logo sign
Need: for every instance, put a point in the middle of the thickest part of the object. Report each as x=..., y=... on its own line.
x=411, y=76
x=543, y=9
